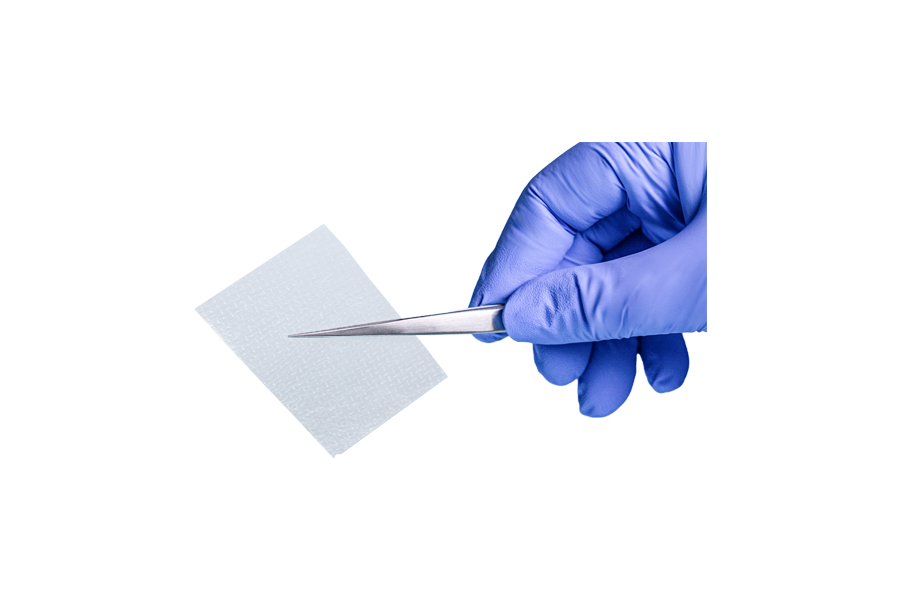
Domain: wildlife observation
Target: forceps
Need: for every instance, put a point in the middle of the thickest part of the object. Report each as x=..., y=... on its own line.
x=481, y=319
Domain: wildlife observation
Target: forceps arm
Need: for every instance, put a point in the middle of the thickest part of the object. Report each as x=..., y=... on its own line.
x=481, y=319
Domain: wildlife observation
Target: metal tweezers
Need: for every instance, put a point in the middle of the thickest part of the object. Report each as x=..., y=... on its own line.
x=481, y=319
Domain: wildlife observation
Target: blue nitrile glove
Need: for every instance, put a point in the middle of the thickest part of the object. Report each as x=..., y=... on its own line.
x=604, y=258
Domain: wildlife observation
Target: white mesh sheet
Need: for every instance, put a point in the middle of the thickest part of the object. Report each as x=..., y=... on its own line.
x=339, y=388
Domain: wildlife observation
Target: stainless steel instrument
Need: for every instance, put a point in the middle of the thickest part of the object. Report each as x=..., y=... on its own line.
x=481, y=319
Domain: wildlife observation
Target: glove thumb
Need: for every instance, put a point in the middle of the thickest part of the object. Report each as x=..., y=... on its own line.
x=658, y=291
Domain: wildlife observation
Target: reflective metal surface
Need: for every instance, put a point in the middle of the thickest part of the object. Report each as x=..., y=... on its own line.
x=482, y=319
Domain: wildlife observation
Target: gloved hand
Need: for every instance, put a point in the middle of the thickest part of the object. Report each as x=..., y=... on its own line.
x=604, y=258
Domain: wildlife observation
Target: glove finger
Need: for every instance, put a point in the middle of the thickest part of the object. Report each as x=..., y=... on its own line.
x=582, y=252
x=613, y=237
x=609, y=377
x=561, y=365
x=665, y=359
x=689, y=162
x=568, y=196
x=489, y=338
x=592, y=245
x=585, y=250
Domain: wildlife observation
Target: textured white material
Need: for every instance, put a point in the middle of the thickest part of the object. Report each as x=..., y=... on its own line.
x=340, y=388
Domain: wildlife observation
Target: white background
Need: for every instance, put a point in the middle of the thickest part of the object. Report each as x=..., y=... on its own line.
x=101, y=105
